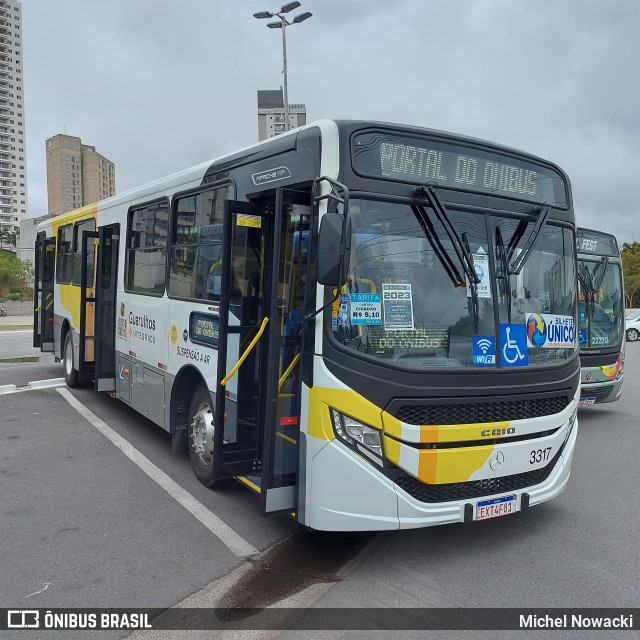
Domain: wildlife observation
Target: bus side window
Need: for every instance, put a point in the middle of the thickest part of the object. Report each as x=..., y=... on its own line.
x=196, y=253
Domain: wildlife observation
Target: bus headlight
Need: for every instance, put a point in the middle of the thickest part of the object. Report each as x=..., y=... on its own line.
x=354, y=432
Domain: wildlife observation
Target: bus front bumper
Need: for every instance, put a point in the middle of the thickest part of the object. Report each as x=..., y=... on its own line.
x=347, y=493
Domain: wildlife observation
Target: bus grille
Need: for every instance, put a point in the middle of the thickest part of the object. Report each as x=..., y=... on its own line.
x=600, y=394
x=472, y=413
x=476, y=488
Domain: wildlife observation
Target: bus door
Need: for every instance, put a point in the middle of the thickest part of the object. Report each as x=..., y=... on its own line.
x=105, y=309
x=240, y=405
x=281, y=449
x=43, y=298
x=86, y=351
x=263, y=289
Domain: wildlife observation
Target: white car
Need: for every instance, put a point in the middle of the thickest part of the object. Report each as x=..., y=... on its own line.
x=632, y=326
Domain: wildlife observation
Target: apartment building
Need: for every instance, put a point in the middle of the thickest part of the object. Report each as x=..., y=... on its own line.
x=13, y=165
x=76, y=174
x=272, y=117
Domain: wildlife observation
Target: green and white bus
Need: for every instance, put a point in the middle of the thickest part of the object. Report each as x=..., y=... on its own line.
x=370, y=325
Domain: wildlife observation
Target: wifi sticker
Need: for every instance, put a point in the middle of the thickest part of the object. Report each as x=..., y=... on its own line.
x=484, y=351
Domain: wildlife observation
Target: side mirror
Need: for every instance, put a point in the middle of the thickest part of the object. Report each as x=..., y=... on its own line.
x=329, y=242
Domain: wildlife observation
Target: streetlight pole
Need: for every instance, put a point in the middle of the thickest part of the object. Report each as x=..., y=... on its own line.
x=283, y=24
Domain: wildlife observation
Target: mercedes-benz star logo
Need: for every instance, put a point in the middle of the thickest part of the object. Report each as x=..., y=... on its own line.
x=496, y=461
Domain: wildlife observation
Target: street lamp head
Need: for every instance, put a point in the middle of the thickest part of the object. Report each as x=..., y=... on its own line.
x=274, y=25
x=263, y=14
x=290, y=6
x=301, y=17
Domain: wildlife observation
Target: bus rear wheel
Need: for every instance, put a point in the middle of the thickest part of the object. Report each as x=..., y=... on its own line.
x=200, y=432
x=70, y=374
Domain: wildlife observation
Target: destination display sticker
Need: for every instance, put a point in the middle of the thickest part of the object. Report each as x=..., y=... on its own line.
x=546, y=331
x=481, y=266
x=365, y=309
x=398, y=307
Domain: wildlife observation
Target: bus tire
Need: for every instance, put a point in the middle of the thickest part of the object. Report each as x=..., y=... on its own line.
x=179, y=441
x=70, y=373
x=200, y=429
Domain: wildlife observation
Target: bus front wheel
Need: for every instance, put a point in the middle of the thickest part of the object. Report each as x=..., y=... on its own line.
x=70, y=374
x=200, y=435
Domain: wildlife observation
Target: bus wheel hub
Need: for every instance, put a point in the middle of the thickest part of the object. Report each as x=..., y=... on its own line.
x=202, y=430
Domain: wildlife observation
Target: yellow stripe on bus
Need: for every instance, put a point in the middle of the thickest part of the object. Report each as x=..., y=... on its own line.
x=252, y=485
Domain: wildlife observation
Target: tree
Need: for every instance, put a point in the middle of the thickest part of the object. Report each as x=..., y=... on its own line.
x=15, y=275
x=631, y=272
x=7, y=238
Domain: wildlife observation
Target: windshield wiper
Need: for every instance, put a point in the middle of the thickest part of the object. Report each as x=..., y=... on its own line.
x=585, y=286
x=438, y=249
x=463, y=253
x=505, y=283
x=587, y=283
x=527, y=250
x=473, y=288
x=600, y=270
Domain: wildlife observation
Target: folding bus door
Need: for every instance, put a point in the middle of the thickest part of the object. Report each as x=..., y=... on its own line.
x=43, y=293
x=105, y=309
x=289, y=289
x=264, y=269
x=242, y=365
x=86, y=355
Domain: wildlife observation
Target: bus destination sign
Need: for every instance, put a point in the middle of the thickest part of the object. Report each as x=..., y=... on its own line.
x=204, y=329
x=596, y=243
x=457, y=167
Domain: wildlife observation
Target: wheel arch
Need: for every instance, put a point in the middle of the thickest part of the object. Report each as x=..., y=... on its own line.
x=186, y=381
x=64, y=329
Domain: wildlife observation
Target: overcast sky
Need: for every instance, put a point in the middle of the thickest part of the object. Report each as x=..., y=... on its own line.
x=160, y=85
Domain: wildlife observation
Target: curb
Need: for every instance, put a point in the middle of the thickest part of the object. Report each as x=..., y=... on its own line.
x=46, y=384
x=37, y=384
x=8, y=388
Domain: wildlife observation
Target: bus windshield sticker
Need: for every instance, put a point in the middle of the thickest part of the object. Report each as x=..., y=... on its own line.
x=246, y=220
x=481, y=266
x=545, y=331
x=484, y=351
x=204, y=329
x=545, y=302
x=513, y=338
x=365, y=309
x=398, y=307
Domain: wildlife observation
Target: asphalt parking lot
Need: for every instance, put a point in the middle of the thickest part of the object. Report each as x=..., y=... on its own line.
x=86, y=522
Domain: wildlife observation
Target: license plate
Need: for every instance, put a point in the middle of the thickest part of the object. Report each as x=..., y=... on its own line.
x=487, y=509
x=586, y=402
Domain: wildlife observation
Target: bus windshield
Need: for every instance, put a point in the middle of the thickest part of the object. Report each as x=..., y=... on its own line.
x=408, y=302
x=600, y=303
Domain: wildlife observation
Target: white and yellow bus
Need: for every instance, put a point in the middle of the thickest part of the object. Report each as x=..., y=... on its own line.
x=370, y=325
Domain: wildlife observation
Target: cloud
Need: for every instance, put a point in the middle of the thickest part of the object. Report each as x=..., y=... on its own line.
x=157, y=86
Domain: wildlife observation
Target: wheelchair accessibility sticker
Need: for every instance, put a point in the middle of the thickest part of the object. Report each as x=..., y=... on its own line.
x=513, y=345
